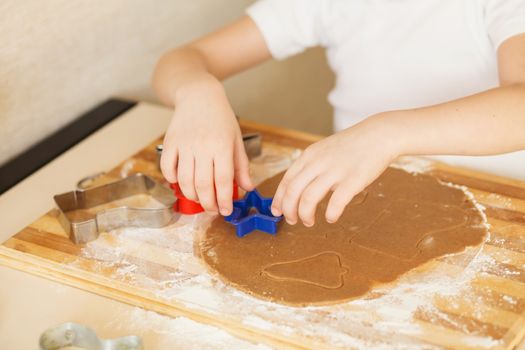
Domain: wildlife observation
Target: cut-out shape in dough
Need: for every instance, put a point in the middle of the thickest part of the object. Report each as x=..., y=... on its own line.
x=416, y=222
x=323, y=270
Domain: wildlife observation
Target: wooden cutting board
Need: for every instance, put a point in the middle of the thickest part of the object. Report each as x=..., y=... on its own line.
x=470, y=301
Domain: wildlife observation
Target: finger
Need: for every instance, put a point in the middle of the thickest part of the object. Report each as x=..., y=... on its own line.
x=294, y=190
x=185, y=175
x=312, y=195
x=223, y=167
x=242, y=166
x=294, y=169
x=168, y=163
x=342, y=195
x=204, y=184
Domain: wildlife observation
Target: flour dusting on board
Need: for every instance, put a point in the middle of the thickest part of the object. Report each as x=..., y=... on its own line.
x=423, y=303
x=181, y=333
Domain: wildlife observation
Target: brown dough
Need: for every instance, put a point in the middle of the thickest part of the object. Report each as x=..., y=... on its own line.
x=396, y=224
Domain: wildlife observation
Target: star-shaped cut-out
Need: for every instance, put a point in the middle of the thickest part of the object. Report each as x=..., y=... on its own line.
x=246, y=222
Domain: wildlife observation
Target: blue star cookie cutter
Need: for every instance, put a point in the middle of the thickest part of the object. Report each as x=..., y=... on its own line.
x=246, y=221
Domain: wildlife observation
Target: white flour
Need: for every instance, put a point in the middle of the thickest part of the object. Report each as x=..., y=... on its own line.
x=181, y=333
x=161, y=262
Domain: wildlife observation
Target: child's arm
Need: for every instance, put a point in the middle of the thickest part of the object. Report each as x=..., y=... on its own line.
x=203, y=144
x=487, y=123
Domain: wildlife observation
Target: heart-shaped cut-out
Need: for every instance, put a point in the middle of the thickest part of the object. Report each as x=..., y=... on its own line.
x=323, y=270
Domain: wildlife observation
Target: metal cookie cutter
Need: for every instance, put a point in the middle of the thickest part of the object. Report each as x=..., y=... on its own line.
x=85, y=230
x=76, y=336
x=252, y=144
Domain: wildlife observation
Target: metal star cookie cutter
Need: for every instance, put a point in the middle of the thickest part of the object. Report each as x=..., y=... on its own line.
x=73, y=335
x=86, y=230
x=246, y=222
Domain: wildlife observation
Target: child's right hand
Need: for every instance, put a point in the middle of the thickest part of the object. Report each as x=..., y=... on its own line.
x=203, y=148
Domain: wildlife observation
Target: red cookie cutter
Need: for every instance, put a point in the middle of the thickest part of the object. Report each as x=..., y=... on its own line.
x=186, y=206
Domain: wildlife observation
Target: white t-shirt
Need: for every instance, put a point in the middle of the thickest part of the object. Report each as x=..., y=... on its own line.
x=396, y=54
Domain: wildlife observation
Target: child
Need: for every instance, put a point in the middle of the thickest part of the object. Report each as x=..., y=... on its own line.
x=414, y=77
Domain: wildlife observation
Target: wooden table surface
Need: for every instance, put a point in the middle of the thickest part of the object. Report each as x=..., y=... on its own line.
x=498, y=290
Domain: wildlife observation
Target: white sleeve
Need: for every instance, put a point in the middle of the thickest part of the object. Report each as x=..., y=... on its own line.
x=504, y=18
x=289, y=26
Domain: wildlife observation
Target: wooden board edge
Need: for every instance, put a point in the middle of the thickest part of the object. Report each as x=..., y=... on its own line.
x=280, y=131
x=468, y=172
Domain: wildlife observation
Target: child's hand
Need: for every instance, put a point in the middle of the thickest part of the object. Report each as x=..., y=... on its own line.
x=344, y=163
x=203, y=149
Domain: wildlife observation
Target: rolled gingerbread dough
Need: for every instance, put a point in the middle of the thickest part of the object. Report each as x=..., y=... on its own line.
x=397, y=223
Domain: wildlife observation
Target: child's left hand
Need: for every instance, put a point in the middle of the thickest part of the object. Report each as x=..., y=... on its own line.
x=344, y=163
